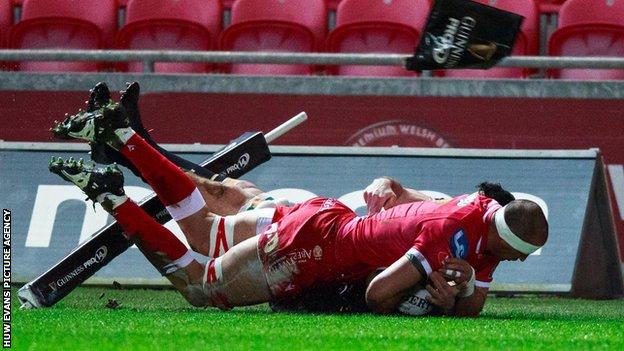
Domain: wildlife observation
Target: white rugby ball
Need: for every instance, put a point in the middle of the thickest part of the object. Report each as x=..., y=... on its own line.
x=416, y=304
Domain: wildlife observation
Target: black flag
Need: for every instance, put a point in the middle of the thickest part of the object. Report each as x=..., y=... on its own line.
x=465, y=34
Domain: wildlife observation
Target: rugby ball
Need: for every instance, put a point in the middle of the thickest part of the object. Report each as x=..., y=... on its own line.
x=415, y=303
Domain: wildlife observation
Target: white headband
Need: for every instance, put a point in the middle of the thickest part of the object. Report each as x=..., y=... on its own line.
x=509, y=237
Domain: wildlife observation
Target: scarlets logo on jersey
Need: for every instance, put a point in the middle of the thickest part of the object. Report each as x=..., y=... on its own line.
x=459, y=245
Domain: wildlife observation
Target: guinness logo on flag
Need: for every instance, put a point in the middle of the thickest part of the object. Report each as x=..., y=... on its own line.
x=464, y=34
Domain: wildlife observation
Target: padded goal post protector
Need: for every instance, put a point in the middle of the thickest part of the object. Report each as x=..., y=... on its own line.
x=465, y=34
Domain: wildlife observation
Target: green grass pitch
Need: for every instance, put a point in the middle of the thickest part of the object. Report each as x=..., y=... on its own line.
x=161, y=320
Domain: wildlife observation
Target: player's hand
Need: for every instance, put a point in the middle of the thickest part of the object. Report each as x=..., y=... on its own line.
x=458, y=270
x=379, y=195
x=442, y=294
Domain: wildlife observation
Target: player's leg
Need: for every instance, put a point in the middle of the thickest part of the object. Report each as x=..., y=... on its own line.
x=231, y=194
x=233, y=280
x=228, y=197
x=208, y=234
x=99, y=97
x=175, y=189
x=109, y=125
x=236, y=278
x=224, y=232
x=105, y=185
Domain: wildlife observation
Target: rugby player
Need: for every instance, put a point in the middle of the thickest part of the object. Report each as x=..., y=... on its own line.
x=279, y=252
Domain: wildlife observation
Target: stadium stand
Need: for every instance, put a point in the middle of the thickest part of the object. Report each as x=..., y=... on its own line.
x=589, y=28
x=276, y=26
x=527, y=42
x=377, y=26
x=64, y=24
x=180, y=25
x=6, y=19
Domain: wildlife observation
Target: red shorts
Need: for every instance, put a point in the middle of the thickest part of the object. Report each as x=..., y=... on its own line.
x=297, y=250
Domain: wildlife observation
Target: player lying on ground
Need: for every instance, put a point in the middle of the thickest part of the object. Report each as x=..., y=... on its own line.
x=280, y=252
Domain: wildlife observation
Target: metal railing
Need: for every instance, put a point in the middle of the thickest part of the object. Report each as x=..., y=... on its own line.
x=149, y=57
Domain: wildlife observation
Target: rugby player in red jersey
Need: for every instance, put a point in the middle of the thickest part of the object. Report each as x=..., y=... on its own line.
x=276, y=253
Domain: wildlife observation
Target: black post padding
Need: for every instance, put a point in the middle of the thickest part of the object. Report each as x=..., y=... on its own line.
x=239, y=157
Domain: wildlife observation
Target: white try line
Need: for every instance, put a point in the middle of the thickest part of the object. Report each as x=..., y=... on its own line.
x=285, y=127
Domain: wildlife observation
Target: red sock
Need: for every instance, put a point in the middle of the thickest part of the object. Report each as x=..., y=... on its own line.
x=168, y=181
x=154, y=236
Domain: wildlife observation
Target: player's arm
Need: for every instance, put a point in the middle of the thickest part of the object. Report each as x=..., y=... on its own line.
x=385, y=192
x=386, y=290
x=447, y=297
x=472, y=305
x=471, y=299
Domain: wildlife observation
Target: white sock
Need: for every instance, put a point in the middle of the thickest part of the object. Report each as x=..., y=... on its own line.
x=180, y=263
x=187, y=206
x=110, y=201
x=123, y=135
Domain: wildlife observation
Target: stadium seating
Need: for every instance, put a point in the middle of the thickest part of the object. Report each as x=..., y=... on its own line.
x=275, y=26
x=6, y=18
x=377, y=26
x=164, y=24
x=64, y=24
x=589, y=28
x=527, y=42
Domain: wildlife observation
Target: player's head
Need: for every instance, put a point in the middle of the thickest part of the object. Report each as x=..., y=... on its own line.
x=495, y=191
x=522, y=229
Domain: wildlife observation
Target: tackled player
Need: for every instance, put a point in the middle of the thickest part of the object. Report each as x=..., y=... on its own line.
x=275, y=252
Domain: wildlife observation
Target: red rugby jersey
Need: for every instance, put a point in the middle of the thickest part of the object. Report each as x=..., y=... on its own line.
x=429, y=230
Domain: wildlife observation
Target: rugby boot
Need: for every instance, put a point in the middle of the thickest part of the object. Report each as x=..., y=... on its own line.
x=99, y=96
x=129, y=106
x=130, y=102
x=103, y=184
x=99, y=122
x=106, y=124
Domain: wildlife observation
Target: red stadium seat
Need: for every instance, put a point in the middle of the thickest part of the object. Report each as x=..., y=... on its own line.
x=277, y=26
x=589, y=28
x=228, y=4
x=550, y=6
x=527, y=42
x=165, y=24
x=332, y=4
x=6, y=19
x=66, y=24
x=377, y=26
